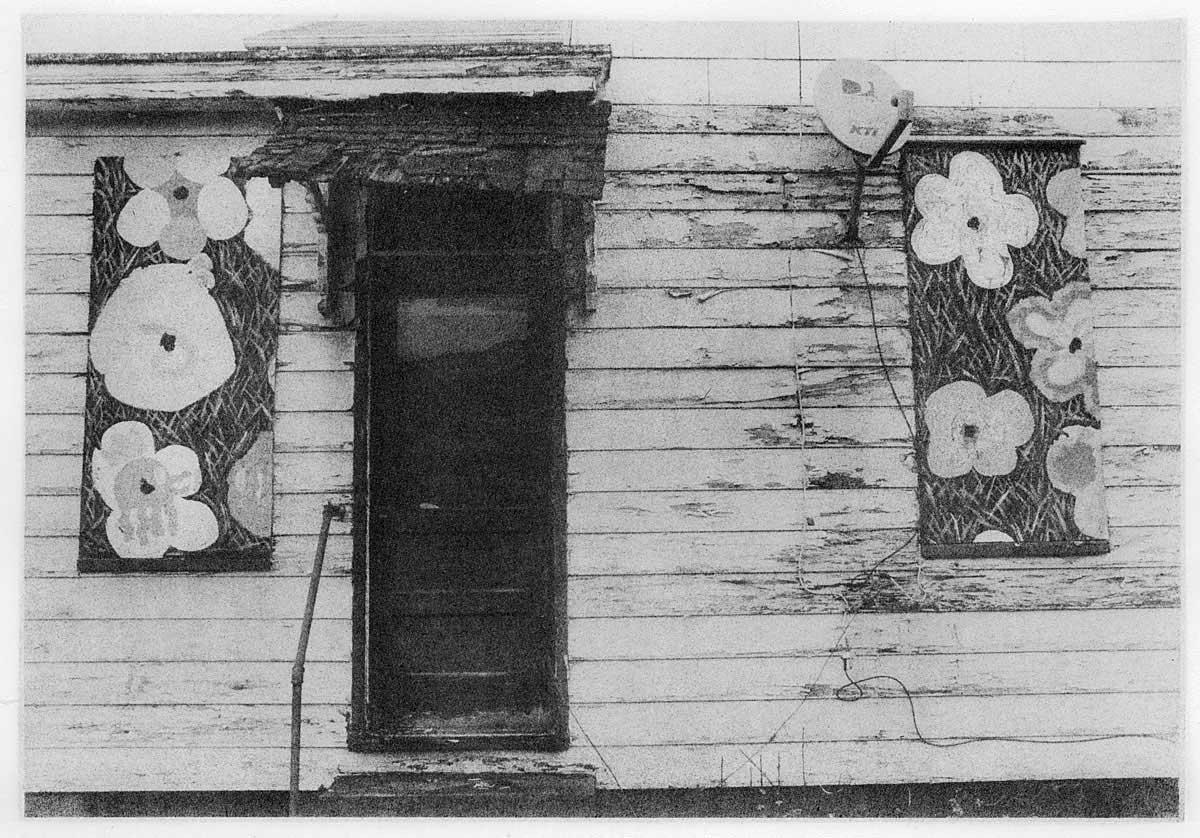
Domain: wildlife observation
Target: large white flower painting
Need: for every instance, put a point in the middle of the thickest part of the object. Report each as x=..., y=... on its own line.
x=185, y=201
x=146, y=492
x=160, y=341
x=969, y=216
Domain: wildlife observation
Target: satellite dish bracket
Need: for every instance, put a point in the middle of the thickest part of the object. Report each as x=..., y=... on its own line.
x=863, y=164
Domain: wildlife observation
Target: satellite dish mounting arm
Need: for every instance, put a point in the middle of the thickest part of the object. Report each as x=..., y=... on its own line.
x=904, y=106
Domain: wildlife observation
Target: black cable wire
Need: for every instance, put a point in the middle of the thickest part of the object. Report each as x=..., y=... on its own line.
x=955, y=742
x=858, y=252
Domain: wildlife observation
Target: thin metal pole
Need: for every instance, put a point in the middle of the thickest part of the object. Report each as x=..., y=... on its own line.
x=331, y=511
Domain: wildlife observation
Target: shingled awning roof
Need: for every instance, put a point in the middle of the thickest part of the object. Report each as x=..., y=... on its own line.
x=547, y=143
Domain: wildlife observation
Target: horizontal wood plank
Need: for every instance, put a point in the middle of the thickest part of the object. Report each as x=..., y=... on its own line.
x=822, y=468
x=666, y=723
x=829, y=332
x=873, y=719
x=953, y=121
x=727, y=268
x=717, y=510
x=76, y=155
x=163, y=596
x=291, y=555
x=820, y=152
x=662, y=228
x=135, y=769
x=181, y=726
x=822, y=387
x=1108, y=41
x=889, y=761
x=174, y=682
x=1032, y=84
x=304, y=392
x=81, y=641
x=58, y=515
x=819, y=676
x=294, y=433
x=740, y=511
x=687, y=428
x=907, y=586
x=909, y=633
x=325, y=80
x=829, y=551
x=821, y=192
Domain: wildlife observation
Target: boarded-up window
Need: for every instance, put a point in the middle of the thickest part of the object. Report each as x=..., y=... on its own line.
x=1004, y=371
x=183, y=323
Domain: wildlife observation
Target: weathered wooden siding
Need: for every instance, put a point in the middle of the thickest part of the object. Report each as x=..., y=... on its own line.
x=713, y=545
x=707, y=585
x=169, y=654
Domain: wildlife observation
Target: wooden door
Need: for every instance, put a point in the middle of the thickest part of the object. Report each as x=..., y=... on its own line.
x=465, y=416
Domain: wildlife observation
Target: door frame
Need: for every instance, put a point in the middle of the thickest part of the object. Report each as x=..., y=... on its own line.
x=348, y=259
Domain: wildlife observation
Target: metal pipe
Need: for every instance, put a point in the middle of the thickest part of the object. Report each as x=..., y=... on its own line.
x=332, y=511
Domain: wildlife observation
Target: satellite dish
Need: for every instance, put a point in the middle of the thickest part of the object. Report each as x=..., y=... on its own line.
x=860, y=104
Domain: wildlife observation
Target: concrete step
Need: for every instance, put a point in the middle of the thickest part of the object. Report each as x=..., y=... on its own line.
x=432, y=794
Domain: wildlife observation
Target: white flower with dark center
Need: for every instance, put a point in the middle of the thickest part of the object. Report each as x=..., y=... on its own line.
x=969, y=216
x=146, y=491
x=160, y=342
x=184, y=202
x=969, y=429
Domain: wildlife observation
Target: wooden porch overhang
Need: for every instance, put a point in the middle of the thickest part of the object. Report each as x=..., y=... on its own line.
x=549, y=143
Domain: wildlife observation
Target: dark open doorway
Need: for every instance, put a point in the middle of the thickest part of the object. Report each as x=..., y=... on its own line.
x=461, y=491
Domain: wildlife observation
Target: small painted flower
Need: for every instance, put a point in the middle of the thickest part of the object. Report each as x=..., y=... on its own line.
x=970, y=430
x=1059, y=330
x=993, y=536
x=968, y=215
x=160, y=341
x=184, y=202
x=146, y=491
x=1064, y=193
x=1073, y=465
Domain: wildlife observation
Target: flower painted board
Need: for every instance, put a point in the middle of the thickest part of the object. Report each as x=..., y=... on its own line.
x=179, y=396
x=1004, y=375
